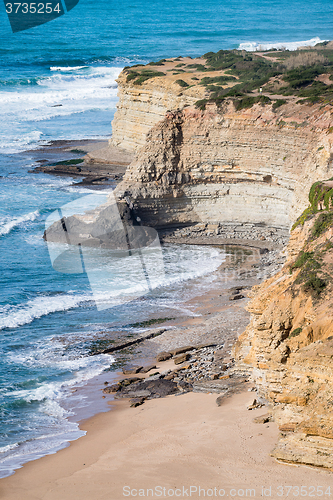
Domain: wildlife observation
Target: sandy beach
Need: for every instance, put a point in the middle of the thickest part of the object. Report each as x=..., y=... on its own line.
x=176, y=445
x=180, y=443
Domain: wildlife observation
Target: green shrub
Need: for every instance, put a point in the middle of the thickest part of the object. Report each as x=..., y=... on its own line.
x=302, y=76
x=278, y=103
x=146, y=74
x=207, y=80
x=306, y=215
x=248, y=102
x=295, y=332
x=182, y=83
x=314, y=284
x=313, y=192
x=301, y=259
x=323, y=222
x=201, y=104
x=199, y=67
x=132, y=75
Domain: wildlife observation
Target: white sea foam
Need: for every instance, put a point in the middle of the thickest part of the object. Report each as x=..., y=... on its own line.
x=259, y=46
x=82, y=368
x=6, y=225
x=4, y=449
x=67, y=68
x=14, y=316
x=65, y=92
x=117, y=283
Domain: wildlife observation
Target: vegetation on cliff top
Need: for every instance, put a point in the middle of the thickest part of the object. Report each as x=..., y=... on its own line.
x=276, y=72
x=236, y=74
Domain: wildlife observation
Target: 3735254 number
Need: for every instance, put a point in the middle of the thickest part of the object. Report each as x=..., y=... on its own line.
x=32, y=8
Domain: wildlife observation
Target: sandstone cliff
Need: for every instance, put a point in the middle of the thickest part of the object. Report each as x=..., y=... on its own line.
x=288, y=344
x=140, y=107
x=220, y=165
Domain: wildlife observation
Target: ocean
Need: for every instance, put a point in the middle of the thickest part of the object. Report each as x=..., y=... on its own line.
x=58, y=82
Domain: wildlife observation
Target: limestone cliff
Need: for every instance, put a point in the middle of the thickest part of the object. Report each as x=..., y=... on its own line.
x=250, y=166
x=289, y=344
x=140, y=107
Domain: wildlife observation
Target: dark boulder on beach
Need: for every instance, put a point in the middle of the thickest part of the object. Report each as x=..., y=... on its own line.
x=150, y=389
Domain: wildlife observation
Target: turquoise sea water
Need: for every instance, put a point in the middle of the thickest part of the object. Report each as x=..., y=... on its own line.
x=49, y=321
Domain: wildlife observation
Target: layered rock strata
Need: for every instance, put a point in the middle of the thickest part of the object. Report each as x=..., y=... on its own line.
x=288, y=345
x=220, y=165
x=140, y=107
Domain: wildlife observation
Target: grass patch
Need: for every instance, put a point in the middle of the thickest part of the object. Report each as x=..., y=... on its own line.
x=208, y=80
x=248, y=102
x=158, y=63
x=76, y=161
x=198, y=67
x=201, y=104
x=78, y=151
x=149, y=322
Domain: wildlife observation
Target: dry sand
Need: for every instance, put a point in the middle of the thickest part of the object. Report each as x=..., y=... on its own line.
x=180, y=441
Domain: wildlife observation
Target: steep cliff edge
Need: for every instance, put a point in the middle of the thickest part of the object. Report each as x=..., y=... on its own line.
x=288, y=344
x=141, y=106
x=220, y=165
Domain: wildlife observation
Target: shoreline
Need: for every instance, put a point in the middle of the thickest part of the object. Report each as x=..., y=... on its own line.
x=175, y=442
x=209, y=303
x=183, y=330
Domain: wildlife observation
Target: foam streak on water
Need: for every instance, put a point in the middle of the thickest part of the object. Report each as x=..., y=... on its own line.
x=260, y=46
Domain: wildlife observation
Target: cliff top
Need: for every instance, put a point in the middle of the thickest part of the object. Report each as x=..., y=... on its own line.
x=276, y=76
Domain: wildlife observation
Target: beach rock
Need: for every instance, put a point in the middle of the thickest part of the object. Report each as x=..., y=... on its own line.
x=182, y=358
x=204, y=346
x=149, y=389
x=163, y=356
x=220, y=386
x=128, y=370
x=134, y=402
x=132, y=392
x=112, y=388
x=128, y=381
x=147, y=369
x=155, y=376
x=262, y=419
x=254, y=404
x=236, y=289
x=181, y=350
x=237, y=296
x=184, y=386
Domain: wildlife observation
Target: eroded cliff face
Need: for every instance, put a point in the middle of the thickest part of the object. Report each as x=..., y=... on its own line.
x=288, y=345
x=142, y=106
x=221, y=165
